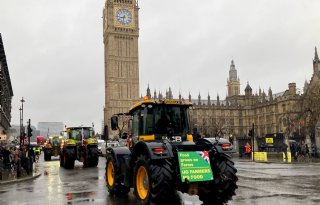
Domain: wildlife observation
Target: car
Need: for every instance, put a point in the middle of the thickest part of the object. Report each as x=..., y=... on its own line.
x=224, y=143
x=108, y=144
x=101, y=143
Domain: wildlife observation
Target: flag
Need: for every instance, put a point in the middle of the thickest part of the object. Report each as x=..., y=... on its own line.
x=204, y=155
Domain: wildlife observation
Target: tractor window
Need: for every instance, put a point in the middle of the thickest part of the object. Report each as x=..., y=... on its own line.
x=78, y=134
x=142, y=123
x=172, y=118
x=55, y=141
x=135, y=123
x=148, y=120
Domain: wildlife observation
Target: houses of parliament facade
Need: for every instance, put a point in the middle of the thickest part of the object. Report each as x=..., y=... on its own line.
x=286, y=112
x=290, y=112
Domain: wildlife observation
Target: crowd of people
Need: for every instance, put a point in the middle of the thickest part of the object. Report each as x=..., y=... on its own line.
x=14, y=158
x=298, y=150
x=302, y=150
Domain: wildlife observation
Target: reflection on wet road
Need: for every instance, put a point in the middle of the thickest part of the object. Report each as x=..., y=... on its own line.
x=259, y=183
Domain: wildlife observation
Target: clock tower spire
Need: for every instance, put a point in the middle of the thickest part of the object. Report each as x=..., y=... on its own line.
x=120, y=37
x=233, y=81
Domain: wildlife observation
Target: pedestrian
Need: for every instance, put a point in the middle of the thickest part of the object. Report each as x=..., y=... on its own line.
x=307, y=150
x=23, y=157
x=195, y=134
x=263, y=147
x=6, y=157
x=31, y=154
x=248, y=149
x=16, y=156
x=284, y=150
x=12, y=153
x=37, y=154
x=314, y=150
x=31, y=158
x=293, y=149
x=1, y=157
x=299, y=150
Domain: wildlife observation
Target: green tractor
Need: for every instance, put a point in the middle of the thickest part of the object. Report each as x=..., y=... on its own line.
x=79, y=145
x=161, y=158
x=52, y=147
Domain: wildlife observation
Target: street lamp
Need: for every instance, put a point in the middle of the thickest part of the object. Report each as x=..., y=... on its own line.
x=20, y=109
x=21, y=123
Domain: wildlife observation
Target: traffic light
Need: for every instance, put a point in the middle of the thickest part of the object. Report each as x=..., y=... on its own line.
x=250, y=132
x=29, y=130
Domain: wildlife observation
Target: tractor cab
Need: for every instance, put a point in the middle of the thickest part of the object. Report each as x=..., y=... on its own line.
x=80, y=133
x=158, y=120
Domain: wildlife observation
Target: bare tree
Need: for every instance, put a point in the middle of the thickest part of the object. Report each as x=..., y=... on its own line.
x=217, y=127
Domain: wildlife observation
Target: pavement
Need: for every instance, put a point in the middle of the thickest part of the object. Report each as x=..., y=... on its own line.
x=12, y=178
x=17, y=180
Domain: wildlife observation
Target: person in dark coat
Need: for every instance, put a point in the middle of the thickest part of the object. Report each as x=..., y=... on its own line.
x=31, y=158
x=6, y=158
x=195, y=134
x=293, y=149
x=23, y=157
x=314, y=150
x=307, y=150
x=299, y=151
x=1, y=153
x=31, y=154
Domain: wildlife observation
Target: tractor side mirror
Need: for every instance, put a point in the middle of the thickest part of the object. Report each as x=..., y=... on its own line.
x=114, y=122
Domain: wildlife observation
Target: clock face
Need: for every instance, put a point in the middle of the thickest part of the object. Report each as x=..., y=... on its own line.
x=124, y=16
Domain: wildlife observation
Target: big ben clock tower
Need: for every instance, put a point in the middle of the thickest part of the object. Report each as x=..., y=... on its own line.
x=120, y=37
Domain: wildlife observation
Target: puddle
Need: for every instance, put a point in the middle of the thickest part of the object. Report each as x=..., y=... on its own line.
x=81, y=196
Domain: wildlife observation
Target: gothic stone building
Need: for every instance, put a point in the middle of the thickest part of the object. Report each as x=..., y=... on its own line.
x=5, y=94
x=290, y=112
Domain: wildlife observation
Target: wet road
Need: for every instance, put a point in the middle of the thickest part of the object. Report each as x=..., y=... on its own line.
x=259, y=183
x=277, y=183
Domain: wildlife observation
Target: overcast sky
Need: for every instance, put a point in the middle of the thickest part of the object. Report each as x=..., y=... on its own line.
x=54, y=50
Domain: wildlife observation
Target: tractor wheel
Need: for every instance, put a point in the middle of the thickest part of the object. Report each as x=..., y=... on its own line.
x=45, y=156
x=68, y=163
x=61, y=159
x=223, y=187
x=114, y=178
x=153, y=182
x=92, y=159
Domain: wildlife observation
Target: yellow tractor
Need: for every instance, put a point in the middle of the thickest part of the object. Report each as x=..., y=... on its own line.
x=161, y=158
x=52, y=147
x=80, y=145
